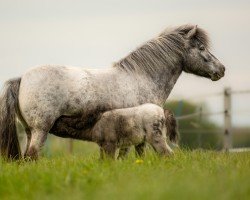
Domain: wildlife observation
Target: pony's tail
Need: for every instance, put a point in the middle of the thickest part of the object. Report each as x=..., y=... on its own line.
x=172, y=127
x=9, y=107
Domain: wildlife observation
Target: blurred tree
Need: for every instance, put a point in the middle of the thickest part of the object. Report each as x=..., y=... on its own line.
x=197, y=131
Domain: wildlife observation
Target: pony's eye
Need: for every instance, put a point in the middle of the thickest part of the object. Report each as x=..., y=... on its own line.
x=202, y=48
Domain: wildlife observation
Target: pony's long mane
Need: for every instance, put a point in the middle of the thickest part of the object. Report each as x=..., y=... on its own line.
x=162, y=51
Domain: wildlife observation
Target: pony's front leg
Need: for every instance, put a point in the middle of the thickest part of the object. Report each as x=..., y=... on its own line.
x=37, y=141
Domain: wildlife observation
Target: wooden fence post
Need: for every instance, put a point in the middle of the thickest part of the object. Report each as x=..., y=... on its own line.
x=227, y=141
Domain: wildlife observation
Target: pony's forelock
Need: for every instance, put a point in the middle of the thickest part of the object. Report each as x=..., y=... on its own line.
x=201, y=35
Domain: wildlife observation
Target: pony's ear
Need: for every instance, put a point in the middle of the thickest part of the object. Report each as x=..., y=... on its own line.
x=192, y=33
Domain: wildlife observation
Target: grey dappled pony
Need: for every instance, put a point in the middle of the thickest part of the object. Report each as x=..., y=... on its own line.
x=48, y=94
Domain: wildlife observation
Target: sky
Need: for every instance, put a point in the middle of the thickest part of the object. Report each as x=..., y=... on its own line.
x=94, y=34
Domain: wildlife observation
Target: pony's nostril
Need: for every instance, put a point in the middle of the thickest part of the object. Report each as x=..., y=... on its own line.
x=223, y=69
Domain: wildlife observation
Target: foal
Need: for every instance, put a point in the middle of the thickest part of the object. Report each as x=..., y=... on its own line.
x=122, y=128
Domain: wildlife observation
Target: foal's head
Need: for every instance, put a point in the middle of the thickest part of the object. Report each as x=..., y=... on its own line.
x=198, y=60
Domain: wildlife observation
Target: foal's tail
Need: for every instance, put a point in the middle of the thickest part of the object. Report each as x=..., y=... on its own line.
x=172, y=127
x=9, y=145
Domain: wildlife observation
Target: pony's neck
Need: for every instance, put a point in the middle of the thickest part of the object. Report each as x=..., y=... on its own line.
x=159, y=61
x=156, y=84
x=164, y=81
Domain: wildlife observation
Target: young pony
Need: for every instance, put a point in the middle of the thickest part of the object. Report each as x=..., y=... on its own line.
x=45, y=95
x=122, y=128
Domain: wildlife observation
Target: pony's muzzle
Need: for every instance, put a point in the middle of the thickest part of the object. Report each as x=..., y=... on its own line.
x=222, y=70
x=218, y=74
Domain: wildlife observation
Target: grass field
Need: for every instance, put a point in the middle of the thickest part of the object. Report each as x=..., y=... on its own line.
x=187, y=175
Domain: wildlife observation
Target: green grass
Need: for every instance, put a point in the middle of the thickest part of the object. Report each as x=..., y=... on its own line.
x=187, y=175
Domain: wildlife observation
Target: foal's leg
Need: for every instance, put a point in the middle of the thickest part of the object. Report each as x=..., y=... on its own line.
x=123, y=153
x=140, y=150
x=38, y=138
x=109, y=150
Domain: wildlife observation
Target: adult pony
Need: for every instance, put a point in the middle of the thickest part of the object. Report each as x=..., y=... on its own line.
x=46, y=94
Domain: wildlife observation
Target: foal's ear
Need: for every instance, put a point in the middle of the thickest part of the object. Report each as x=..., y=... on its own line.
x=192, y=33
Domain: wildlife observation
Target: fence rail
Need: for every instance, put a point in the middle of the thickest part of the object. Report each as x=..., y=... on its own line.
x=199, y=113
x=227, y=112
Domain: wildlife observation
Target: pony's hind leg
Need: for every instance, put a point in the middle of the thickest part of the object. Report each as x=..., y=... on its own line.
x=123, y=152
x=37, y=141
x=28, y=134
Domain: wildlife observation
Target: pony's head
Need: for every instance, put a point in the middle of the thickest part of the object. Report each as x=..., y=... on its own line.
x=198, y=59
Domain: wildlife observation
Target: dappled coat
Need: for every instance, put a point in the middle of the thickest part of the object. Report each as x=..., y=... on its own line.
x=121, y=128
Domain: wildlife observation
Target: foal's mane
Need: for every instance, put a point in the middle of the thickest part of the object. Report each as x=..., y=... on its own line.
x=162, y=51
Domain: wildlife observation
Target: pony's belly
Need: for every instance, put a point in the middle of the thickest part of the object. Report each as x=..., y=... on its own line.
x=73, y=127
x=134, y=138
